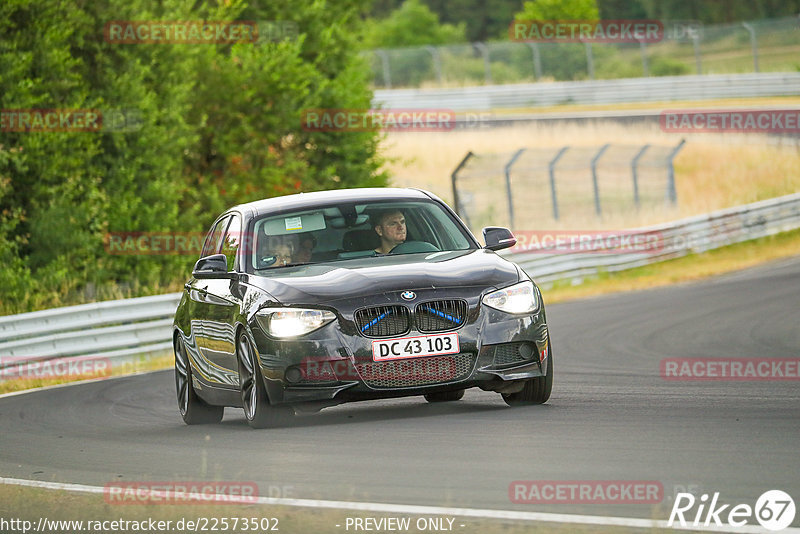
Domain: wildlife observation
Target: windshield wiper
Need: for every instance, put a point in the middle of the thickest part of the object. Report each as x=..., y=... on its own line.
x=293, y=264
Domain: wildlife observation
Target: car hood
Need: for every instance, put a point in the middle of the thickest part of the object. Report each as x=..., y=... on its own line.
x=326, y=283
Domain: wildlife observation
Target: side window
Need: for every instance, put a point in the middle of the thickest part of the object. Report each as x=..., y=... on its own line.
x=212, y=242
x=233, y=238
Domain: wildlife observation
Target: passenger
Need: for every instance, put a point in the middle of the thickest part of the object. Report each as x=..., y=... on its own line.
x=304, y=249
x=279, y=249
x=283, y=254
x=390, y=226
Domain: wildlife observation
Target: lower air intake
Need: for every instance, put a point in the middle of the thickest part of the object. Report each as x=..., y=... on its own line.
x=416, y=372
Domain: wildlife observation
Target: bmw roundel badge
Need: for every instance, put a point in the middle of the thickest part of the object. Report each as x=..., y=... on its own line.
x=408, y=295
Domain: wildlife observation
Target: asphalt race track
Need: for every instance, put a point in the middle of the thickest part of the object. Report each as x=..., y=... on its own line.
x=611, y=417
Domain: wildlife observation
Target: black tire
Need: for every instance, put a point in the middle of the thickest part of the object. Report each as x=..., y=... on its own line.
x=257, y=409
x=193, y=409
x=445, y=396
x=537, y=390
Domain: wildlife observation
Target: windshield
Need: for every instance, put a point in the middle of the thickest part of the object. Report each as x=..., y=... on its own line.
x=356, y=230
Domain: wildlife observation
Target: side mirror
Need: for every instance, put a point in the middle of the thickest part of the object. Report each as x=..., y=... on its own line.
x=497, y=238
x=215, y=266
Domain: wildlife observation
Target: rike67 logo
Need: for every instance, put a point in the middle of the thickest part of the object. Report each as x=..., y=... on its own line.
x=774, y=510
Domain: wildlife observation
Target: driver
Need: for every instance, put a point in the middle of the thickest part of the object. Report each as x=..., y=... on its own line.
x=304, y=248
x=391, y=228
x=275, y=247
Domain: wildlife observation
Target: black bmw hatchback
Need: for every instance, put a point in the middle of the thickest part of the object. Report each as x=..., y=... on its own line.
x=310, y=300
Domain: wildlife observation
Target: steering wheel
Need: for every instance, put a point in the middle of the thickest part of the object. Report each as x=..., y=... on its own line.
x=410, y=247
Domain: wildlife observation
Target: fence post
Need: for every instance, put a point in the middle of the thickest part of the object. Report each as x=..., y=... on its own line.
x=507, y=170
x=697, y=58
x=635, y=170
x=753, y=43
x=487, y=67
x=673, y=195
x=537, y=60
x=453, y=178
x=437, y=62
x=552, y=168
x=387, y=74
x=589, y=60
x=645, y=66
x=597, y=209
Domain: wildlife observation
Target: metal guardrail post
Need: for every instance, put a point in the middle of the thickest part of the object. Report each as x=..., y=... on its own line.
x=589, y=60
x=453, y=178
x=387, y=73
x=487, y=67
x=437, y=62
x=645, y=66
x=507, y=171
x=753, y=43
x=552, y=168
x=697, y=57
x=537, y=60
x=597, y=156
x=673, y=195
x=635, y=171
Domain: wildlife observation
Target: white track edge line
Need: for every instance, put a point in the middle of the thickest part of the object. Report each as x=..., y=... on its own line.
x=412, y=509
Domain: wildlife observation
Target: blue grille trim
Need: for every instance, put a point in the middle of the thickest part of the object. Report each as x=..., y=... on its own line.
x=375, y=321
x=442, y=314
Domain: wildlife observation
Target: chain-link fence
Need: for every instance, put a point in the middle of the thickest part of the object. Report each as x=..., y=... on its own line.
x=530, y=186
x=687, y=47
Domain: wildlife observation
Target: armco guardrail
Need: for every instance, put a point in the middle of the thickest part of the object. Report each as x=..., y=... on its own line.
x=679, y=238
x=112, y=329
x=660, y=89
x=124, y=328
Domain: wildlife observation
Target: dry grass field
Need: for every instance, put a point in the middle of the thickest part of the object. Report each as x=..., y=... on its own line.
x=712, y=171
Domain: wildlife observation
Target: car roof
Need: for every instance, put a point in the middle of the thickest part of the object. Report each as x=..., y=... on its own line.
x=309, y=200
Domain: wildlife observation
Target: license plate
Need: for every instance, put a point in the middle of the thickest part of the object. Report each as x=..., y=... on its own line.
x=414, y=347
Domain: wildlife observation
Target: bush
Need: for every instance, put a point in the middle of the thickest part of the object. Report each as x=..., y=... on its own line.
x=665, y=66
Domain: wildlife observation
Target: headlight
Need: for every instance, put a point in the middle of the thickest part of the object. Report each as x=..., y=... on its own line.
x=291, y=322
x=519, y=298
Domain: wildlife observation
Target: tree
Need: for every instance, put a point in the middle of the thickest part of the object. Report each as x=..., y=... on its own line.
x=559, y=10
x=219, y=125
x=484, y=19
x=621, y=9
x=412, y=24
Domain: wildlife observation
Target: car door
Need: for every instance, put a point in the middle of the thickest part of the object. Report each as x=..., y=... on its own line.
x=223, y=303
x=200, y=308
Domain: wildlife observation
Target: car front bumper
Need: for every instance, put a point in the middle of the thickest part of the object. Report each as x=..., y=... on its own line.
x=334, y=364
